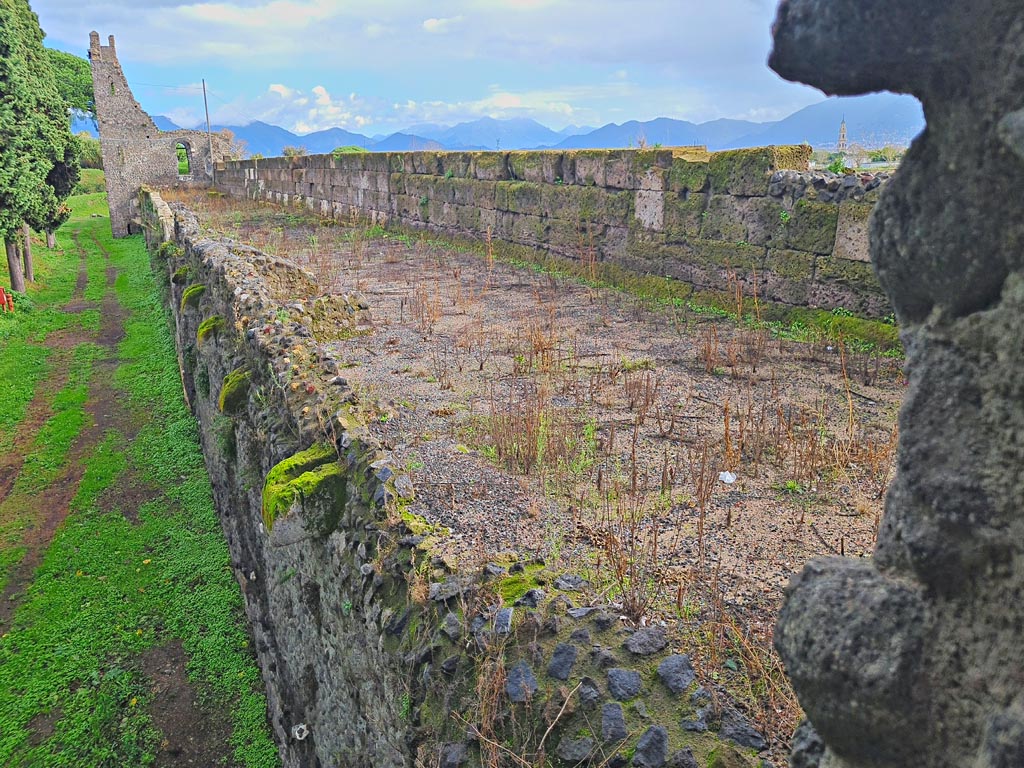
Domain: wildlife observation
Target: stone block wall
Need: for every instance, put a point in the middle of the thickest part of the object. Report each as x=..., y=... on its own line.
x=374, y=652
x=756, y=217
x=135, y=152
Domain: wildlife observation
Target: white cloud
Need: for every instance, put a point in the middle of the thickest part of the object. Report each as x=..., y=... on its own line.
x=556, y=60
x=184, y=116
x=440, y=26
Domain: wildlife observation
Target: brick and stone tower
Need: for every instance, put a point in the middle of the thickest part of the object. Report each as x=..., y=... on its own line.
x=135, y=151
x=843, y=145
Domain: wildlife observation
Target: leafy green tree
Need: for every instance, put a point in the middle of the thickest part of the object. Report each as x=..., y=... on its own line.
x=348, y=150
x=38, y=155
x=74, y=81
x=91, y=154
x=293, y=151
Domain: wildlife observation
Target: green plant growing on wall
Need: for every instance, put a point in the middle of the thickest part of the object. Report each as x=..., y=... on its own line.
x=837, y=166
x=785, y=216
x=190, y=298
x=301, y=477
x=234, y=390
x=210, y=326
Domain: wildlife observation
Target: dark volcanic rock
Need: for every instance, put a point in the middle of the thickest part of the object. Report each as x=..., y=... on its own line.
x=677, y=673
x=562, y=661
x=613, y=724
x=646, y=641
x=623, y=684
x=574, y=751
x=739, y=730
x=520, y=684
x=652, y=748
x=882, y=654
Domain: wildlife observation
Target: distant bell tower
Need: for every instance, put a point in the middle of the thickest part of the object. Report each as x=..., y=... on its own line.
x=843, y=145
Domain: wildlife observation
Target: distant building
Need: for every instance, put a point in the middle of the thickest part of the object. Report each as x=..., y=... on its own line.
x=843, y=144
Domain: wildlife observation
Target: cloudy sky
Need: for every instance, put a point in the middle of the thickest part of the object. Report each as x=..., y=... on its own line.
x=385, y=65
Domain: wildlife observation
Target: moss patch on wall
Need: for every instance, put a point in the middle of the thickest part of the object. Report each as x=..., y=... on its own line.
x=234, y=390
x=309, y=473
x=190, y=298
x=210, y=326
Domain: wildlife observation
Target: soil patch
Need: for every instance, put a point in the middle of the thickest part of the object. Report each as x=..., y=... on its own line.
x=42, y=726
x=127, y=495
x=37, y=413
x=193, y=733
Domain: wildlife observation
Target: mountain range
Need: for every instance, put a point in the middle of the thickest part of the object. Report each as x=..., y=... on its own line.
x=873, y=120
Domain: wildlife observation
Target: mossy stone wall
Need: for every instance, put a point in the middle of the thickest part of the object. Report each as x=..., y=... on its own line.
x=368, y=644
x=655, y=210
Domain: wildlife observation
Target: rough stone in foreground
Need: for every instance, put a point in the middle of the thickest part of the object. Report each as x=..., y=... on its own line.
x=453, y=755
x=738, y=729
x=562, y=661
x=914, y=659
x=808, y=748
x=652, y=748
x=623, y=684
x=613, y=724
x=575, y=750
x=683, y=759
x=646, y=641
x=520, y=684
x=676, y=672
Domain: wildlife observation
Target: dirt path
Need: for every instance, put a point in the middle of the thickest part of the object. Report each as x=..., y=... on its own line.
x=41, y=407
x=193, y=734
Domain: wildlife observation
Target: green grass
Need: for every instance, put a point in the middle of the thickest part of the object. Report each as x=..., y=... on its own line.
x=54, y=439
x=108, y=590
x=91, y=181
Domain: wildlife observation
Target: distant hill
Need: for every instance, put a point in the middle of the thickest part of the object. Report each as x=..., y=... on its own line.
x=872, y=120
x=323, y=142
x=663, y=130
x=165, y=123
x=405, y=142
x=264, y=139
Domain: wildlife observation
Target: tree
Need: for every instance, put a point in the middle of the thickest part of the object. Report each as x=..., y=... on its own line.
x=38, y=154
x=293, y=151
x=74, y=81
x=237, y=148
x=89, y=148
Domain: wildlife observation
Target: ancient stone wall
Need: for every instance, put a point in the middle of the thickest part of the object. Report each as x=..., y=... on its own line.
x=916, y=657
x=373, y=650
x=756, y=216
x=135, y=151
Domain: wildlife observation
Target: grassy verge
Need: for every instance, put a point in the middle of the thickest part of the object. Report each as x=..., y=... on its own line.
x=110, y=588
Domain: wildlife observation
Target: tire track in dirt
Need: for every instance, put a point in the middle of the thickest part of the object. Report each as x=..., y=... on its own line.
x=193, y=734
x=43, y=512
x=40, y=409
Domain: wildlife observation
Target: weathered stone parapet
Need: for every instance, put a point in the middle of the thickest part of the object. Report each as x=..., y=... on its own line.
x=373, y=650
x=712, y=219
x=916, y=658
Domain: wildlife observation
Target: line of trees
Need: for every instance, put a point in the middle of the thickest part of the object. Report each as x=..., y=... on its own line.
x=39, y=156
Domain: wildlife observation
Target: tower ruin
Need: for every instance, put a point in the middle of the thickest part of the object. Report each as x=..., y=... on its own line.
x=135, y=151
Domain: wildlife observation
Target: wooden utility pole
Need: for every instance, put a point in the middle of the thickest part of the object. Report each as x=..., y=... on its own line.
x=209, y=134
